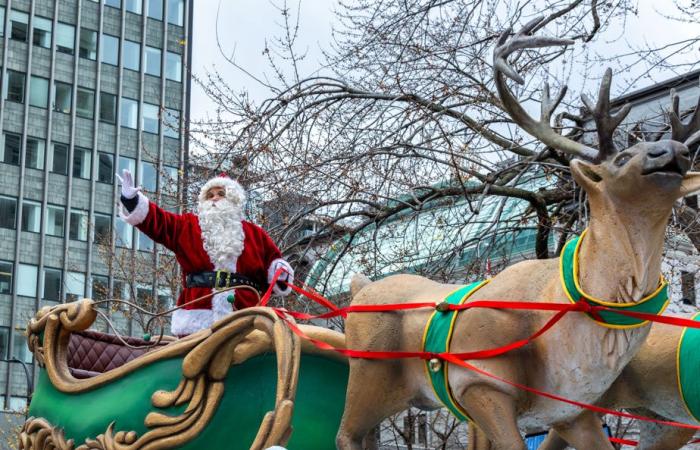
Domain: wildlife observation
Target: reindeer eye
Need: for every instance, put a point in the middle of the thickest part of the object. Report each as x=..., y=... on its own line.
x=622, y=159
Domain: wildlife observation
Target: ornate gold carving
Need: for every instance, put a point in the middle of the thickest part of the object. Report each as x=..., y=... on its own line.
x=110, y=441
x=39, y=434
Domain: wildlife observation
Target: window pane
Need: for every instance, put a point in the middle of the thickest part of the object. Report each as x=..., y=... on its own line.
x=176, y=12
x=62, y=97
x=59, y=163
x=171, y=123
x=20, y=351
x=35, y=153
x=5, y=277
x=108, y=107
x=132, y=55
x=100, y=287
x=110, y=50
x=42, y=32
x=13, y=143
x=82, y=159
x=39, y=92
x=129, y=113
x=18, y=25
x=31, y=216
x=75, y=286
x=152, y=61
x=150, y=118
x=127, y=163
x=26, y=280
x=52, y=284
x=124, y=234
x=119, y=290
x=113, y=3
x=65, y=38
x=145, y=243
x=14, y=90
x=78, y=225
x=55, y=218
x=155, y=9
x=85, y=103
x=148, y=176
x=88, y=44
x=4, y=342
x=133, y=6
x=103, y=227
x=105, y=168
x=173, y=67
x=2, y=21
x=8, y=212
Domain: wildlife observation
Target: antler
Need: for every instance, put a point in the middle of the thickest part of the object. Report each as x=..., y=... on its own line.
x=606, y=123
x=687, y=133
x=541, y=129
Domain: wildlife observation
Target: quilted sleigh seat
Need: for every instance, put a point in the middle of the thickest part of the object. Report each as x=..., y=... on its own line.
x=91, y=353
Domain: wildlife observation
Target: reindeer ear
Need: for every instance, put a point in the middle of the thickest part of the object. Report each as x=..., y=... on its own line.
x=585, y=174
x=690, y=184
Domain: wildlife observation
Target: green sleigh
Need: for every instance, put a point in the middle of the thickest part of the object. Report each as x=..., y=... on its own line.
x=248, y=382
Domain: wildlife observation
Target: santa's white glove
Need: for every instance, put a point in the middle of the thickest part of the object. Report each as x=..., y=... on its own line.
x=285, y=278
x=127, y=182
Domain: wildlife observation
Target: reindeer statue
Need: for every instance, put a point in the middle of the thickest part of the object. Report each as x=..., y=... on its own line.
x=631, y=194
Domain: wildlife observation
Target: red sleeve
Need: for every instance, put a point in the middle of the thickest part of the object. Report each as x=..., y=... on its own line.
x=163, y=226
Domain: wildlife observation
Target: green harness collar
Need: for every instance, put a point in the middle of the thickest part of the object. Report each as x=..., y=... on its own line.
x=655, y=303
x=687, y=369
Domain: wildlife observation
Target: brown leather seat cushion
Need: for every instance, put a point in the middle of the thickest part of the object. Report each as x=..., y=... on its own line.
x=91, y=352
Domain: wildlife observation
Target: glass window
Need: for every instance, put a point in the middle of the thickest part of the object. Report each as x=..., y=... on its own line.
x=36, y=149
x=171, y=123
x=2, y=21
x=42, y=32
x=129, y=113
x=173, y=67
x=55, y=218
x=148, y=176
x=59, y=158
x=31, y=216
x=20, y=350
x=103, y=227
x=5, y=277
x=113, y=3
x=105, y=167
x=78, y=225
x=126, y=163
x=75, y=286
x=52, y=284
x=85, y=103
x=133, y=5
x=14, y=90
x=119, y=290
x=82, y=159
x=4, y=342
x=152, y=61
x=8, y=212
x=110, y=49
x=108, y=107
x=131, y=54
x=150, y=118
x=39, y=92
x=19, y=25
x=124, y=234
x=100, y=287
x=26, y=280
x=88, y=44
x=62, y=97
x=13, y=144
x=65, y=38
x=176, y=12
x=145, y=243
x=155, y=9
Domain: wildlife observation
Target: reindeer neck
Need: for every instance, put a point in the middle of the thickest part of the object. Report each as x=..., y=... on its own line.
x=620, y=257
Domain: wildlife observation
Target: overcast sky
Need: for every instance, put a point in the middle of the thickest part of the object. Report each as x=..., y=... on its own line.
x=244, y=25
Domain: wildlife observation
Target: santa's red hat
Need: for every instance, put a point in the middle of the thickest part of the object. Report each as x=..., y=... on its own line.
x=234, y=191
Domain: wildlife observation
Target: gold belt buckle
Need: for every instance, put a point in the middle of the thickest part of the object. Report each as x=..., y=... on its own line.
x=216, y=281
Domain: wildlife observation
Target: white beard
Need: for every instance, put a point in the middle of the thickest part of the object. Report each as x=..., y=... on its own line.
x=222, y=232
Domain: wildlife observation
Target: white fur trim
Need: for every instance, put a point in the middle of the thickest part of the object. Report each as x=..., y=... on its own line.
x=234, y=191
x=274, y=265
x=188, y=321
x=139, y=213
x=221, y=306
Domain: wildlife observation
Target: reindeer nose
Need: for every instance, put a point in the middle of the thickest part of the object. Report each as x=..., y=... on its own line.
x=667, y=156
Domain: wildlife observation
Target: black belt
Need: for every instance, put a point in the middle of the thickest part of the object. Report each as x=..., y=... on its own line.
x=219, y=280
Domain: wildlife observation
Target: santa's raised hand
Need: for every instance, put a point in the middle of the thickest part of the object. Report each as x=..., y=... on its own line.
x=127, y=182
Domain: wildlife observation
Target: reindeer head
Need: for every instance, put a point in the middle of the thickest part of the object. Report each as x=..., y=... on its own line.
x=646, y=177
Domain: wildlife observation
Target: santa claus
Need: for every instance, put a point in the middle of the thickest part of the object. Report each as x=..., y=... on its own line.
x=216, y=249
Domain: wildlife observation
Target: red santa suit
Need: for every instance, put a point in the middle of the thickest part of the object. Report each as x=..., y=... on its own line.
x=241, y=247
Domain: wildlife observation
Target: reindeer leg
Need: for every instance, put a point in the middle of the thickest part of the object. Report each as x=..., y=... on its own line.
x=494, y=413
x=553, y=442
x=653, y=436
x=374, y=393
x=585, y=432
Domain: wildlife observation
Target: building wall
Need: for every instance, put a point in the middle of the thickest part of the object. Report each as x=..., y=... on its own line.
x=61, y=146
